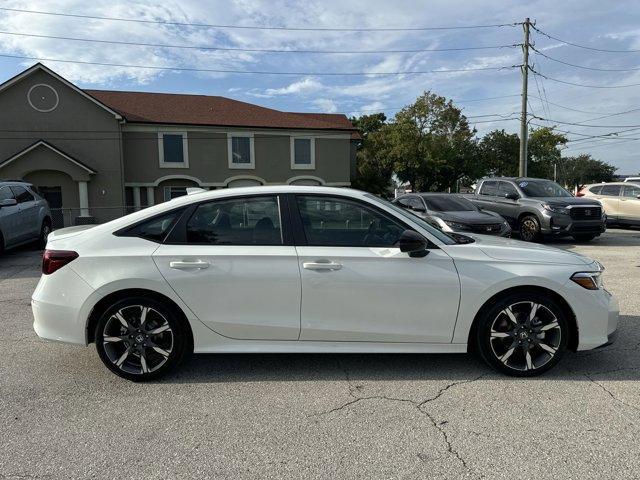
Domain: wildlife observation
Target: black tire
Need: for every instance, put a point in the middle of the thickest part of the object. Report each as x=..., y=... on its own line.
x=515, y=348
x=148, y=355
x=583, y=237
x=529, y=228
x=45, y=230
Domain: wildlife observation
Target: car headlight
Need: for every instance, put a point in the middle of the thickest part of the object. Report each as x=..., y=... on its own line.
x=555, y=209
x=588, y=280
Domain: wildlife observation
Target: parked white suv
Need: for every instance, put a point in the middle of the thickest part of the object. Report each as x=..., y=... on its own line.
x=24, y=215
x=311, y=269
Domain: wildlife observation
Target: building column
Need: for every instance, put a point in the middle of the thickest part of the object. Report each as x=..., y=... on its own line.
x=150, y=197
x=136, y=198
x=83, y=193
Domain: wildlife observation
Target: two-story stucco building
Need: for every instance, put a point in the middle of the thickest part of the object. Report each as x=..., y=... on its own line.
x=95, y=154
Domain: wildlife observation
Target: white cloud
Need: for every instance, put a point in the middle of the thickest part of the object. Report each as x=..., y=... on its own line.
x=304, y=86
x=326, y=105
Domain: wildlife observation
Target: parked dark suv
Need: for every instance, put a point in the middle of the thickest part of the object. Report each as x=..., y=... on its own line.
x=535, y=207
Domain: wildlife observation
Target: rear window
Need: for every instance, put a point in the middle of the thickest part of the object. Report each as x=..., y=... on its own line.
x=449, y=203
x=155, y=229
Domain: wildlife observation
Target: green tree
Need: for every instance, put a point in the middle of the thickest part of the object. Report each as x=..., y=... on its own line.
x=373, y=167
x=430, y=144
x=498, y=154
x=583, y=169
x=544, y=151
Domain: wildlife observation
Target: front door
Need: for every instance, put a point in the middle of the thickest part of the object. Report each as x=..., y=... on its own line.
x=629, y=209
x=229, y=262
x=53, y=196
x=358, y=286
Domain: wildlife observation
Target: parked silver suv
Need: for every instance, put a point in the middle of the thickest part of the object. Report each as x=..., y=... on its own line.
x=24, y=215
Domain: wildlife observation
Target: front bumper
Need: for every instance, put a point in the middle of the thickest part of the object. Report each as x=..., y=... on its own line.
x=562, y=225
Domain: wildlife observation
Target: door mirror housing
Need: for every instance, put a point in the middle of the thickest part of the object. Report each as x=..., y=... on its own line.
x=8, y=202
x=413, y=243
x=511, y=196
x=419, y=208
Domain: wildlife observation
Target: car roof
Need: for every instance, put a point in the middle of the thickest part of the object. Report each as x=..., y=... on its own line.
x=4, y=183
x=515, y=179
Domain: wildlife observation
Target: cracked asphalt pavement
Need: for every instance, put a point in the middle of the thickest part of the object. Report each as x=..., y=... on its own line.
x=63, y=415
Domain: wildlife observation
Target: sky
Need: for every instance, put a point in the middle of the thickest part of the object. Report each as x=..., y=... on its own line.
x=486, y=85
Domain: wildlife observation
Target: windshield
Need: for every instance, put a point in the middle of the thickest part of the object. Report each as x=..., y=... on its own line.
x=542, y=188
x=448, y=203
x=444, y=238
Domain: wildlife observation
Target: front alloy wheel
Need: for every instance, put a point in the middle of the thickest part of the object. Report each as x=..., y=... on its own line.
x=523, y=336
x=139, y=339
x=529, y=229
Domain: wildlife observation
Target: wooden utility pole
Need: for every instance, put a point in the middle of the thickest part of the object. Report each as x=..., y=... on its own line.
x=523, y=120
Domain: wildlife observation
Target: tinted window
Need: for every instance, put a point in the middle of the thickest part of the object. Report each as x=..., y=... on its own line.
x=416, y=203
x=236, y=221
x=505, y=187
x=489, y=188
x=340, y=222
x=439, y=234
x=5, y=193
x=302, y=151
x=241, y=150
x=404, y=202
x=172, y=146
x=155, y=229
x=542, y=188
x=596, y=189
x=611, y=190
x=22, y=195
x=631, y=191
x=449, y=203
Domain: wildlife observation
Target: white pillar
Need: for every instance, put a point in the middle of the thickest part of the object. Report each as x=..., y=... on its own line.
x=136, y=198
x=150, y=197
x=83, y=194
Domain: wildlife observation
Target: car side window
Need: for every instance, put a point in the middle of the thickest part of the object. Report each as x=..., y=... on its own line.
x=505, y=188
x=404, y=202
x=236, y=221
x=631, y=191
x=22, y=195
x=489, y=188
x=610, y=190
x=154, y=229
x=5, y=193
x=338, y=222
x=596, y=190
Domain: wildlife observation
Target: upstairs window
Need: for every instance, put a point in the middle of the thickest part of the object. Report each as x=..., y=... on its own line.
x=172, y=147
x=303, y=153
x=241, y=151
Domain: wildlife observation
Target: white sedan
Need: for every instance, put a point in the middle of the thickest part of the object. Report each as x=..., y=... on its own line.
x=311, y=269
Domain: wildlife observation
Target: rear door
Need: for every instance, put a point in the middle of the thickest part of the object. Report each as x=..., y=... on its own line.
x=9, y=218
x=29, y=221
x=629, y=209
x=610, y=198
x=487, y=195
x=356, y=284
x=232, y=261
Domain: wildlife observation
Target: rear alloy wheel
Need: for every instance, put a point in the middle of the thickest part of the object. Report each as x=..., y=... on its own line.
x=529, y=228
x=584, y=237
x=523, y=335
x=140, y=339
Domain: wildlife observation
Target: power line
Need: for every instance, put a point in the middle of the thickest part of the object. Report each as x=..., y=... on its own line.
x=582, y=46
x=582, y=84
x=590, y=112
x=252, y=27
x=585, y=125
x=583, y=66
x=257, y=72
x=254, y=50
x=584, y=134
x=591, y=147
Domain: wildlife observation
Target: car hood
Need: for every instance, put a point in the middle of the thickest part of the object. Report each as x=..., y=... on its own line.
x=564, y=201
x=517, y=251
x=469, y=217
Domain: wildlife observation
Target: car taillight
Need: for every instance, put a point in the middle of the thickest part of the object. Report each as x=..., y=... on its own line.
x=53, y=260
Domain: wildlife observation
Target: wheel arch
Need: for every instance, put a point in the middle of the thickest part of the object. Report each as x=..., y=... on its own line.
x=559, y=299
x=112, y=297
x=529, y=213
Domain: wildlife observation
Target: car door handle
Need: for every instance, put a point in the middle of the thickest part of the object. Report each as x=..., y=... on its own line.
x=321, y=266
x=198, y=264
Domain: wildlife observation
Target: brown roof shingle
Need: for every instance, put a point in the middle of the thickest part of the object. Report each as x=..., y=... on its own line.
x=170, y=108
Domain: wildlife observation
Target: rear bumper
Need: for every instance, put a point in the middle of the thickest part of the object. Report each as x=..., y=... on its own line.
x=56, y=307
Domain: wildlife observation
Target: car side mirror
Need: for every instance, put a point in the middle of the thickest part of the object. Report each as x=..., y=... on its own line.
x=418, y=209
x=8, y=202
x=511, y=196
x=413, y=243
x=638, y=197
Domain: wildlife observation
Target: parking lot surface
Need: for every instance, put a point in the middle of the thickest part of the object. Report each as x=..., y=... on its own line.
x=63, y=415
